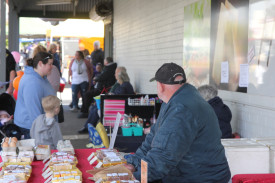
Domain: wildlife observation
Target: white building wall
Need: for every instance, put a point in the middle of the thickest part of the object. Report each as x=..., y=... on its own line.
x=150, y=33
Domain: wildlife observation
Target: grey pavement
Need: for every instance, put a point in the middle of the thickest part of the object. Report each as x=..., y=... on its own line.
x=72, y=124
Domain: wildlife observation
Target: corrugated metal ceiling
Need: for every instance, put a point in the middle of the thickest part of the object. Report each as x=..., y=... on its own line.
x=28, y=8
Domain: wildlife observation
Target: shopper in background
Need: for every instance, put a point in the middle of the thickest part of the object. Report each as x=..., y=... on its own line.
x=54, y=76
x=104, y=82
x=80, y=76
x=56, y=58
x=123, y=79
x=97, y=72
x=209, y=93
x=121, y=87
x=10, y=71
x=34, y=86
x=87, y=55
x=184, y=145
x=97, y=55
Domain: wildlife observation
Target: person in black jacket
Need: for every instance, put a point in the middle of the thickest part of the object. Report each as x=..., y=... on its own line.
x=10, y=71
x=104, y=82
x=209, y=93
x=121, y=87
x=97, y=55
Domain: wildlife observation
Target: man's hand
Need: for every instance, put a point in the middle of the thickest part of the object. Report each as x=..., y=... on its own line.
x=130, y=167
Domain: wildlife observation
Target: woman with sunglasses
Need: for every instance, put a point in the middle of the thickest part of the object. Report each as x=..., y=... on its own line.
x=32, y=88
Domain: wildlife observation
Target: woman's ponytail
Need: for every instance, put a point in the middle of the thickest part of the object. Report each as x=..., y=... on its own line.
x=30, y=62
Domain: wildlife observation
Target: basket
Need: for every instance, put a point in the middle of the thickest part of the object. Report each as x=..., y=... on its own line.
x=127, y=132
x=138, y=131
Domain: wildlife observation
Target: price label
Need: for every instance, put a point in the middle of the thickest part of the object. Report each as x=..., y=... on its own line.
x=90, y=157
x=93, y=160
x=99, y=165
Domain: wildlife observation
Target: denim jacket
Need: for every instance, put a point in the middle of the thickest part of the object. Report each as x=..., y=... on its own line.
x=184, y=145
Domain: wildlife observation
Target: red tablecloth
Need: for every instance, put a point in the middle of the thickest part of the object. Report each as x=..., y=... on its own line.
x=254, y=178
x=83, y=165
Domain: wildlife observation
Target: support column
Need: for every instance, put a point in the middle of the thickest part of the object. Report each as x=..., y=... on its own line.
x=13, y=28
x=2, y=42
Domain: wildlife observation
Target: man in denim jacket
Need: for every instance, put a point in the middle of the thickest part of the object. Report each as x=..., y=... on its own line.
x=184, y=145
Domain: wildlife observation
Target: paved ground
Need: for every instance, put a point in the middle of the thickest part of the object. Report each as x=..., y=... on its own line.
x=72, y=124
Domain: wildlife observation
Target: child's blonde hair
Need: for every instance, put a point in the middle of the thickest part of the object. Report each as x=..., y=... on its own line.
x=50, y=103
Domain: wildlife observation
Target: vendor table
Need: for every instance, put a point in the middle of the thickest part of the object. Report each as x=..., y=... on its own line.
x=254, y=178
x=128, y=144
x=83, y=165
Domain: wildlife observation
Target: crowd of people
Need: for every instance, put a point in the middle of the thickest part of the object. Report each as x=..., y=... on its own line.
x=183, y=146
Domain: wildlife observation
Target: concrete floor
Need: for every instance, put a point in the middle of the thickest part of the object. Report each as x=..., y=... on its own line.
x=72, y=124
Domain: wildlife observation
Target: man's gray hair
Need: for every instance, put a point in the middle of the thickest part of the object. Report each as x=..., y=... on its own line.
x=122, y=75
x=97, y=43
x=208, y=92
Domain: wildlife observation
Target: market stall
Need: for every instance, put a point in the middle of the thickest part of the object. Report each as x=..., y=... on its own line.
x=23, y=162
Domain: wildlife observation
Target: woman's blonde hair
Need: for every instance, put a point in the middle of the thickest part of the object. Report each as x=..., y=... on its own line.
x=37, y=49
x=52, y=46
x=50, y=103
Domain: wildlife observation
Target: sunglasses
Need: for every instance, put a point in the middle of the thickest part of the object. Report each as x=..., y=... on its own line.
x=46, y=58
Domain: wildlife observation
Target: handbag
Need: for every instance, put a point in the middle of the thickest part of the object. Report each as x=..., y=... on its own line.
x=61, y=114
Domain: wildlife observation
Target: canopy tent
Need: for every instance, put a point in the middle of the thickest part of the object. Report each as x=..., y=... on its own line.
x=33, y=28
x=78, y=28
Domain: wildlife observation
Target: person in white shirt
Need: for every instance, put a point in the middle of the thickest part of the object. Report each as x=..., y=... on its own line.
x=80, y=71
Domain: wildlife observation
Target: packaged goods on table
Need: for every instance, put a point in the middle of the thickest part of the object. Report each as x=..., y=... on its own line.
x=26, y=145
x=9, y=153
x=108, y=157
x=65, y=146
x=113, y=174
x=9, y=144
x=63, y=157
x=42, y=152
x=61, y=167
x=15, y=173
x=71, y=175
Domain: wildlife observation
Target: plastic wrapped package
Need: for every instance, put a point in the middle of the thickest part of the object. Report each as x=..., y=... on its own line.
x=16, y=173
x=42, y=152
x=67, y=175
x=63, y=157
x=111, y=161
x=111, y=174
x=65, y=146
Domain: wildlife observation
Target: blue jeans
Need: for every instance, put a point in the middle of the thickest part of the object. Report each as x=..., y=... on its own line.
x=93, y=117
x=25, y=132
x=82, y=87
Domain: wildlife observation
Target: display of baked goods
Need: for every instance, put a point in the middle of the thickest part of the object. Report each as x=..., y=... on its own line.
x=9, y=144
x=113, y=174
x=63, y=158
x=61, y=167
x=42, y=152
x=65, y=146
x=110, y=157
x=15, y=173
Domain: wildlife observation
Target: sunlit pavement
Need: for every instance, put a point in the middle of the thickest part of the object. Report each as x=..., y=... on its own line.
x=72, y=124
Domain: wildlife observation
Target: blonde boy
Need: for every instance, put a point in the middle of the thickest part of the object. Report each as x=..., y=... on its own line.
x=45, y=129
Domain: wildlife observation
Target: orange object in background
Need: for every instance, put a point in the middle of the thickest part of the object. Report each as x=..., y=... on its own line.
x=88, y=43
x=20, y=73
x=16, y=82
